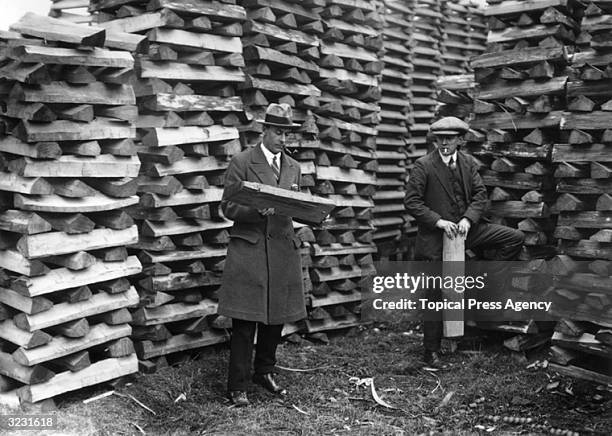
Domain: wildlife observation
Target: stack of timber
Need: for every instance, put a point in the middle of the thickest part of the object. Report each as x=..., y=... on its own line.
x=68, y=168
x=582, y=301
x=74, y=11
x=282, y=53
x=583, y=176
x=396, y=228
x=463, y=36
x=518, y=107
x=426, y=60
x=188, y=129
x=345, y=162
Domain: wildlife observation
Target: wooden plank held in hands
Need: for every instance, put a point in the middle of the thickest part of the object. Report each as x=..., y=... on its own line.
x=453, y=256
x=295, y=204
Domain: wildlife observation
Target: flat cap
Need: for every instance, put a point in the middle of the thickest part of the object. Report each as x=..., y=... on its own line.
x=449, y=126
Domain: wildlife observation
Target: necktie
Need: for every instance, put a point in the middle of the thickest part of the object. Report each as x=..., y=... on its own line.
x=275, y=168
x=451, y=164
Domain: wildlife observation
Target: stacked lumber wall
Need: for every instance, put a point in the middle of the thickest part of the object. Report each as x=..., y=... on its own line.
x=189, y=114
x=69, y=168
x=583, y=176
x=520, y=97
x=463, y=36
x=345, y=164
x=394, y=227
x=518, y=107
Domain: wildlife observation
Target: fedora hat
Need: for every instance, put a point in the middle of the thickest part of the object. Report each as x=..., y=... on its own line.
x=449, y=126
x=279, y=115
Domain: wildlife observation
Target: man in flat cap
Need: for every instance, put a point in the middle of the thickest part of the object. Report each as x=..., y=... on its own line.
x=445, y=194
x=262, y=279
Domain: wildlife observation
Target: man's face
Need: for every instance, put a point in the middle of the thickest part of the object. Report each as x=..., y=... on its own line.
x=274, y=138
x=447, y=144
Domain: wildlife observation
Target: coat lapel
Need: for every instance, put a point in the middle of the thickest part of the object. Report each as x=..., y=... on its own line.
x=441, y=172
x=261, y=168
x=288, y=173
x=465, y=174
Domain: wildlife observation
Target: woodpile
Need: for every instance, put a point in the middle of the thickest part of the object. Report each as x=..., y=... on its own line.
x=69, y=167
x=345, y=162
x=463, y=36
x=189, y=115
x=74, y=11
x=518, y=106
x=394, y=227
x=583, y=176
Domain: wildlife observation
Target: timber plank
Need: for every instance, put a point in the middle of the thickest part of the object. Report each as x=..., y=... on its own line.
x=56, y=243
x=62, y=346
x=98, y=372
x=173, y=312
x=208, y=195
x=64, y=312
x=62, y=92
x=98, y=57
x=181, y=226
x=52, y=29
x=99, y=128
x=189, y=73
x=204, y=41
x=181, y=342
x=515, y=121
x=280, y=87
x=203, y=252
x=190, y=103
x=105, y=165
x=290, y=203
x=282, y=34
x=186, y=166
x=63, y=278
x=160, y=137
x=146, y=21
x=220, y=11
x=526, y=88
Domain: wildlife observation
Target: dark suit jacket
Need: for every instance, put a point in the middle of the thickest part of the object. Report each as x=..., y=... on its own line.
x=429, y=197
x=262, y=278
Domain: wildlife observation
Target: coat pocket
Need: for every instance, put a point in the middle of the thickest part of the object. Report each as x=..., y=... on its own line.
x=251, y=237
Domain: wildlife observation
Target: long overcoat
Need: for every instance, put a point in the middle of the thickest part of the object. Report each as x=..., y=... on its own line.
x=429, y=197
x=262, y=279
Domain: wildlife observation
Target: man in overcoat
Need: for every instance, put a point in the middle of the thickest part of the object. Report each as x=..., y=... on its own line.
x=446, y=194
x=262, y=280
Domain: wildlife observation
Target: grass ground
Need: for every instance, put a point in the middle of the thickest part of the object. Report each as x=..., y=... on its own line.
x=480, y=380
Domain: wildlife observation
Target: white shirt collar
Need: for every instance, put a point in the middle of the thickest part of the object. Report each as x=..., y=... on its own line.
x=446, y=159
x=269, y=155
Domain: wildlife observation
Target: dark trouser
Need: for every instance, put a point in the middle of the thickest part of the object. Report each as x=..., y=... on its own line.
x=507, y=243
x=241, y=351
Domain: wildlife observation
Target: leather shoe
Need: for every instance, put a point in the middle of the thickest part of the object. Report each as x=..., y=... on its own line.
x=432, y=358
x=267, y=382
x=238, y=398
